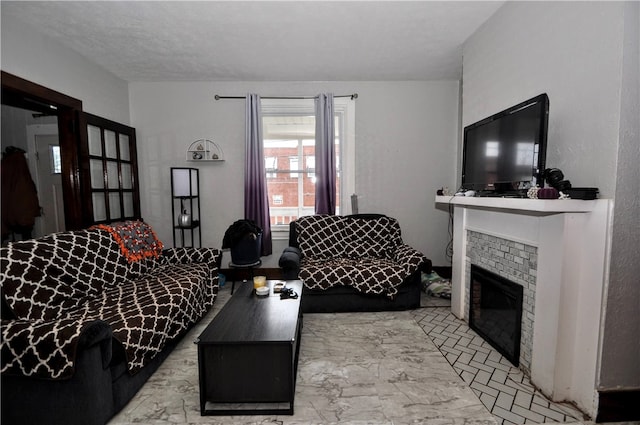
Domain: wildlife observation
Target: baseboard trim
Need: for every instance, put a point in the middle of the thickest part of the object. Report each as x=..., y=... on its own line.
x=618, y=406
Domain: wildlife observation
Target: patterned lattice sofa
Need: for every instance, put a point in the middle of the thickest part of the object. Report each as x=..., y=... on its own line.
x=89, y=315
x=353, y=263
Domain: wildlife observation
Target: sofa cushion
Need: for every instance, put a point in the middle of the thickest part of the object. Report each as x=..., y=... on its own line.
x=321, y=236
x=367, y=275
x=43, y=278
x=148, y=312
x=143, y=315
x=58, y=287
x=371, y=238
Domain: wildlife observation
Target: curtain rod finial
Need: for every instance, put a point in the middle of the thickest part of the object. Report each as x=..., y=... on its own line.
x=216, y=97
x=354, y=96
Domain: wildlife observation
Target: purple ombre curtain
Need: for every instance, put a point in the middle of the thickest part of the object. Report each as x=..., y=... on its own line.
x=256, y=201
x=325, y=155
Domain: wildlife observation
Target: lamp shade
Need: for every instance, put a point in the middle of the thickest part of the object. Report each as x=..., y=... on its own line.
x=183, y=183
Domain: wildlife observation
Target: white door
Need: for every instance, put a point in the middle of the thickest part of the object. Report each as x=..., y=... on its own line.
x=44, y=157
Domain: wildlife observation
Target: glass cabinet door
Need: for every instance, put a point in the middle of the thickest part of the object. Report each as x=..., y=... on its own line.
x=112, y=182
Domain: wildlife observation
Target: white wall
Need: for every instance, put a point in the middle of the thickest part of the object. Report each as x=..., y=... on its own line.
x=569, y=50
x=14, y=127
x=33, y=56
x=406, y=135
x=584, y=55
x=621, y=327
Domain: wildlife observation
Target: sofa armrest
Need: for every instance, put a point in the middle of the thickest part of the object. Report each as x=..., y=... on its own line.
x=48, y=349
x=290, y=262
x=210, y=256
x=409, y=258
x=85, y=398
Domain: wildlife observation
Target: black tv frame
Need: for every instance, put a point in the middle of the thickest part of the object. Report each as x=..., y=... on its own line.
x=502, y=189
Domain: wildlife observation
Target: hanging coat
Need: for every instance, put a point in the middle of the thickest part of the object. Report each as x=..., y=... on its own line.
x=20, y=205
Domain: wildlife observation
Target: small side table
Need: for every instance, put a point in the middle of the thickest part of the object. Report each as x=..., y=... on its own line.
x=249, y=266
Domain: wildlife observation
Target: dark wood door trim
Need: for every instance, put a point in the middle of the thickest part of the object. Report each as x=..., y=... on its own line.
x=26, y=94
x=32, y=91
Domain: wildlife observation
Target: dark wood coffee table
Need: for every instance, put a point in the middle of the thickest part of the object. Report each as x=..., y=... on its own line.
x=248, y=355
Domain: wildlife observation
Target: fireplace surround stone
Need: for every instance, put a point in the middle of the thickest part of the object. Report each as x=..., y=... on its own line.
x=512, y=260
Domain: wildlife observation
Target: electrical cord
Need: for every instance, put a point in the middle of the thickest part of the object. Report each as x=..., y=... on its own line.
x=449, y=248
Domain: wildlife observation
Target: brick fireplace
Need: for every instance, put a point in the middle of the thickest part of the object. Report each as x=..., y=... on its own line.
x=555, y=249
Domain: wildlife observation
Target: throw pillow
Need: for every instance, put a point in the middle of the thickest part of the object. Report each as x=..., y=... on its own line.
x=321, y=236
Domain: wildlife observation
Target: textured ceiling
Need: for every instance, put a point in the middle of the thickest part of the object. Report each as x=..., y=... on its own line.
x=263, y=40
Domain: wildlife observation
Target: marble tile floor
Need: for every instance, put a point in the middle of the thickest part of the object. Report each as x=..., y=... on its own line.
x=368, y=368
x=354, y=368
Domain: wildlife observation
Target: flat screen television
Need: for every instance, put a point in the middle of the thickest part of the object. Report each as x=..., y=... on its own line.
x=506, y=152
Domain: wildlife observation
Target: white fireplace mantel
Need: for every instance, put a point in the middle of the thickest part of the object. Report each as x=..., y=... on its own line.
x=572, y=239
x=524, y=206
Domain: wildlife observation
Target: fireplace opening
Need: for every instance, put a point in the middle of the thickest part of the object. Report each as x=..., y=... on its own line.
x=495, y=311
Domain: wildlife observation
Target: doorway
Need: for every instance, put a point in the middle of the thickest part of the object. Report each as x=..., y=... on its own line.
x=45, y=160
x=19, y=129
x=73, y=203
x=23, y=94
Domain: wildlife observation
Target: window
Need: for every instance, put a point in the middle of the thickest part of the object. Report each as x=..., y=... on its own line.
x=291, y=187
x=271, y=166
x=311, y=167
x=293, y=165
x=56, y=159
x=289, y=151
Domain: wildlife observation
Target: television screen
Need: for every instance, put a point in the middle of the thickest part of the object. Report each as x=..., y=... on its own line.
x=506, y=152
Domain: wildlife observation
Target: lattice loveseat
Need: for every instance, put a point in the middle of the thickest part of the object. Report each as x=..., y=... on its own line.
x=353, y=263
x=89, y=315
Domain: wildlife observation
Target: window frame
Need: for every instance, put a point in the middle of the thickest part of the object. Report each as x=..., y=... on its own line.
x=344, y=108
x=119, y=184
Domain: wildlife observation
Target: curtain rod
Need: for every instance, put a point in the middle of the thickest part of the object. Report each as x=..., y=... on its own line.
x=218, y=97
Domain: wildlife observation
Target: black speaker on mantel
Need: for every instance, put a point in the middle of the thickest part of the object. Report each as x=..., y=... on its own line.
x=584, y=193
x=555, y=178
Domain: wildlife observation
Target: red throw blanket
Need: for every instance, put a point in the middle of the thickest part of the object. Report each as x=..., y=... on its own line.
x=136, y=239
